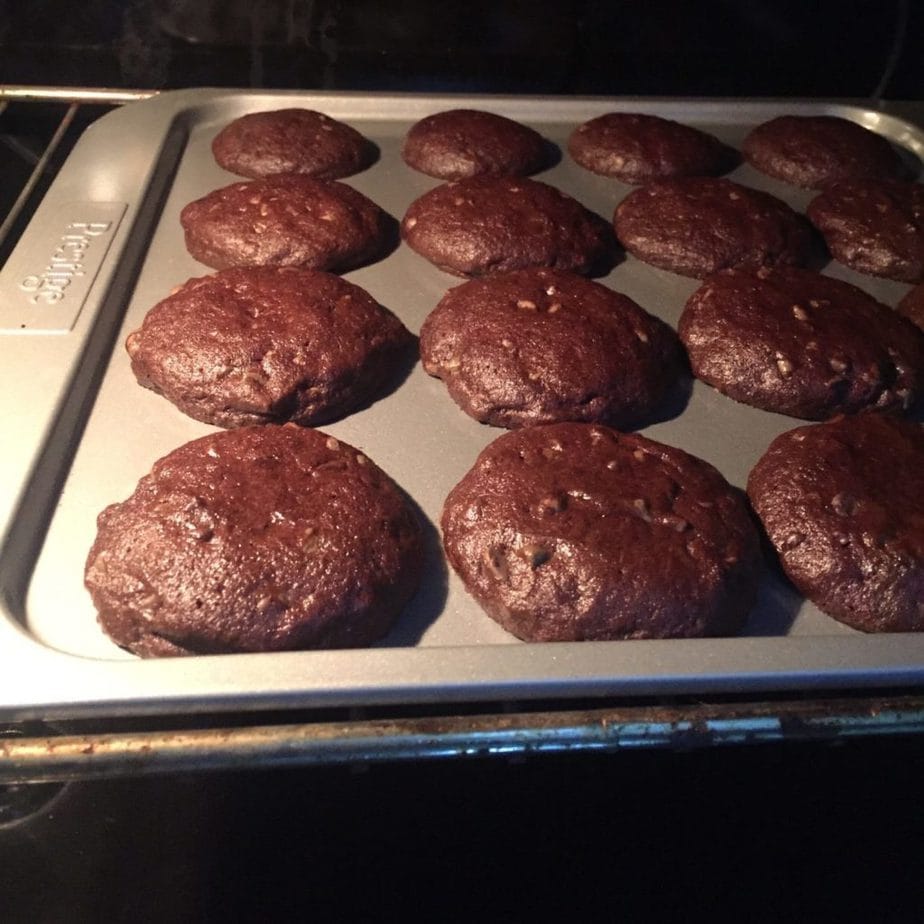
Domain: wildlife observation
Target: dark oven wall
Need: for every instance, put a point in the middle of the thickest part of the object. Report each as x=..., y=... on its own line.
x=826, y=48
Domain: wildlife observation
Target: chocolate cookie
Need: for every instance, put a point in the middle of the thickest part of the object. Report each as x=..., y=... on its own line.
x=795, y=342
x=912, y=305
x=291, y=141
x=813, y=151
x=286, y=220
x=460, y=143
x=843, y=502
x=486, y=225
x=636, y=148
x=258, y=344
x=699, y=225
x=256, y=539
x=537, y=345
x=874, y=226
x=574, y=531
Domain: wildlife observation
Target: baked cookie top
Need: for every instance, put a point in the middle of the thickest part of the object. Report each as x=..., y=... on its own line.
x=796, y=342
x=638, y=148
x=843, y=503
x=459, y=143
x=814, y=151
x=696, y=226
x=538, y=345
x=263, y=344
x=286, y=220
x=485, y=225
x=874, y=226
x=291, y=141
x=256, y=539
x=573, y=531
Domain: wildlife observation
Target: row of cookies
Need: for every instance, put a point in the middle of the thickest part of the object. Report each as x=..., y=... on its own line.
x=691, y=225
x=267, y=538
x=532, y=346
x=807, y=151
x=869, y=215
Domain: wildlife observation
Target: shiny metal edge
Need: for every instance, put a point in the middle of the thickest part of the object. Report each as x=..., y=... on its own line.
x=59, y=94
x=497, y=735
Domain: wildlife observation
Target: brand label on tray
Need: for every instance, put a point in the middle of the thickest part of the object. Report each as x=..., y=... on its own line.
x=46, y=282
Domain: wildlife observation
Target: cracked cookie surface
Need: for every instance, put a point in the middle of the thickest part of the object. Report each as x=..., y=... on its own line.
x=257, y=539
x=486, y=225
x=638, y=148
x=286, y=220
x=874, y=226
x=843, y=504
x=459, y=143
x=696, y=226
x=573, y=532
x=813, y=151
x=267, y=344
x=536, y=346
x=799, y=343
x=291, y=141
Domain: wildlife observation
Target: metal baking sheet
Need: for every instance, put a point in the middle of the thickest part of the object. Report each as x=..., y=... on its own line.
x=78, y=432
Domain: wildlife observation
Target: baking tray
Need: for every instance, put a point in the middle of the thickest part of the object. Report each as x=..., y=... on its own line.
x=106, y=245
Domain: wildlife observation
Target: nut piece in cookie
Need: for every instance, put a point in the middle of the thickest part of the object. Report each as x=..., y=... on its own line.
x=843, y=503
x=814, y=151
x=874, y=226
x=575, y=532
x=538, y=345
x=460, y=143
x=291, y=141
x=256, y=539
x=485, y=225
x=799, y=343
x=286, y=220
x=637, y=148
x=266, y=344
x=696, y=226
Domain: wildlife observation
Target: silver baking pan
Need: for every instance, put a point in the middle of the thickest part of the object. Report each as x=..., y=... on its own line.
x=78, y=433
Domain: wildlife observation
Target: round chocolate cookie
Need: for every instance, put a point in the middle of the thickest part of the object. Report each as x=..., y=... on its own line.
x=699, y=225
x=486, y=225
x=460, y=143
x=260, y=344
x=257, y=539
x=795, y=342
x=286, y=220
x=636, y=148
x=813, y=151
x=912, y=305
x=574, y=532
x=291, y=141
x=537, y=345
x=874, y=226
x=843, y=502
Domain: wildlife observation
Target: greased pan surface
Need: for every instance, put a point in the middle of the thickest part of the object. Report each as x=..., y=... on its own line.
x=81, y=432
